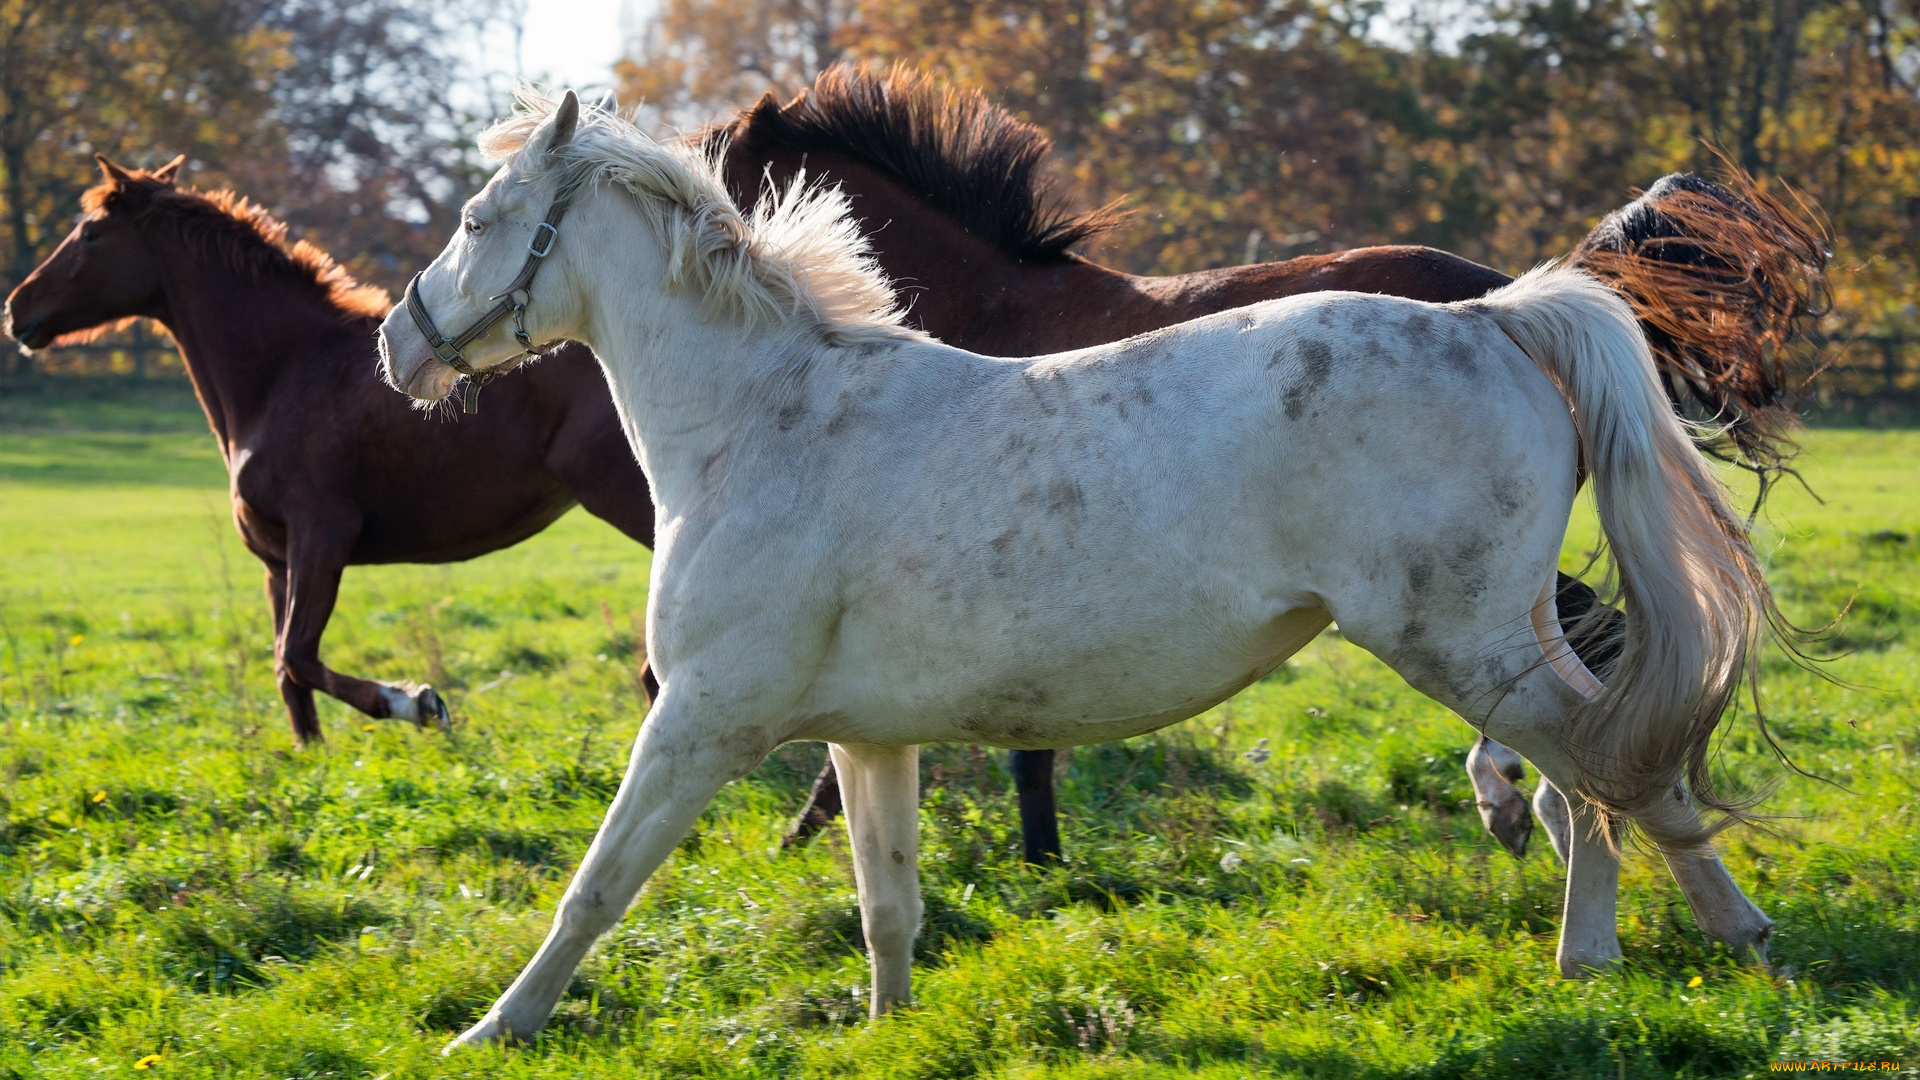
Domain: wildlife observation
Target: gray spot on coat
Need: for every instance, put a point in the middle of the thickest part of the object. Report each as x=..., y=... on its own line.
x=1420, y=576
x=1316, y=366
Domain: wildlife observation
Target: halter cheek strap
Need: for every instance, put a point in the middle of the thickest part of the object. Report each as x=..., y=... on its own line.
x=510, y=301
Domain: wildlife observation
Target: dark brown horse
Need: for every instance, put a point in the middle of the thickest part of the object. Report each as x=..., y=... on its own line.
x=955, y=199
x=328, y=468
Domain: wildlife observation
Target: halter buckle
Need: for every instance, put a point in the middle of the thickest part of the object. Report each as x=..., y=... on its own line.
x=448, y=353
x=541, y=244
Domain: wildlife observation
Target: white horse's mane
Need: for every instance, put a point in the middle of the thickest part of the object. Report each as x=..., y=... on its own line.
x=798, y=256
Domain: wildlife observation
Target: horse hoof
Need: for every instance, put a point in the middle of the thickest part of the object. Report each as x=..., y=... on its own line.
x=492, y=1028
x=431, y=708
x=1511, y=823
x=1586, y=965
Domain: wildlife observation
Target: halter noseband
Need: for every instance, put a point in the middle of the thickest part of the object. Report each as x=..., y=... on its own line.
x=511, y=301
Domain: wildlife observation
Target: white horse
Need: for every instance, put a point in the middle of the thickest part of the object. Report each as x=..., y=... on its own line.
x=872, y=539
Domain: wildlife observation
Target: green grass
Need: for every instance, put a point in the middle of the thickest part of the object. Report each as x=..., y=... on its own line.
x=1294, y=884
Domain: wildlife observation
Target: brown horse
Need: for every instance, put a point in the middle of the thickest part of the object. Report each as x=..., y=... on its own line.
x=328, y=468
x=953, y=192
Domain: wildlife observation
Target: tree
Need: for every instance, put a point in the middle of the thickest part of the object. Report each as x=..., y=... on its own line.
x=694, y=59
x=338, y=115
x=126, y=78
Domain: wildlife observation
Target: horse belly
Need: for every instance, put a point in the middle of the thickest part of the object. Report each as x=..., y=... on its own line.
x=1028, y=674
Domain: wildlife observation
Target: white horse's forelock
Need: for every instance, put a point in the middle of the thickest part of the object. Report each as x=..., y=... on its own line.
x=799, y=254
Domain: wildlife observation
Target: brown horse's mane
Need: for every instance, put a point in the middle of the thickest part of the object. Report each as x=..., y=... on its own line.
x=242, y=235
x=952, y=148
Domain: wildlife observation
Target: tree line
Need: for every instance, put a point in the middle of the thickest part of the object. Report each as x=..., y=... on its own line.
x=1232, y=129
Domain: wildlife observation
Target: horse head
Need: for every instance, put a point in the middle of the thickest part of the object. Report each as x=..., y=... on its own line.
x=472, y=290
x=102, y=272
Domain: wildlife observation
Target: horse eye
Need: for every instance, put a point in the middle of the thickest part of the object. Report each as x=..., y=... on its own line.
x=474, y=226
x=89, y=235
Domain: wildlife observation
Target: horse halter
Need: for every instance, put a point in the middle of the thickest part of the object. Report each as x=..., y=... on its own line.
x=511, y=301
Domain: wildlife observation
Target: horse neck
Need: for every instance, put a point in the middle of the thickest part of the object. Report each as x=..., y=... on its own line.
x=683, y=380
x=959, y=288
x=240, y=333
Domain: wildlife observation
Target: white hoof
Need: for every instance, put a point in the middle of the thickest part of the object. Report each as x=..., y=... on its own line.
x=417, y=704
x=1585, y=964
x=492, y=1028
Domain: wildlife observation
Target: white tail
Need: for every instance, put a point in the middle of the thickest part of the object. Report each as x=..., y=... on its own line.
x=1695, y=599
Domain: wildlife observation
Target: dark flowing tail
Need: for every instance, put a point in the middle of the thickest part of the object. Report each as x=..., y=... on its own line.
x=1724, y=280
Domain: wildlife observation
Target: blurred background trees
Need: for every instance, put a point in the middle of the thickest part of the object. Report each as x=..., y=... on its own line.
x=1235, y=129
x=338, y=114
x=1243, y=129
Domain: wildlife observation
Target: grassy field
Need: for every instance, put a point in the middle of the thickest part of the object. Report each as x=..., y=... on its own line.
x=1294, y=884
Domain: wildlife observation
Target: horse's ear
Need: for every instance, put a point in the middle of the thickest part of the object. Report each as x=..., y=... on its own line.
x=609, y=103
x=169, y=172
x=565, y=119
x=114, y=174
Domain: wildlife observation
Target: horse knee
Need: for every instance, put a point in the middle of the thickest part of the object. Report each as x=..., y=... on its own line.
x=891, y=925
x=586, y=915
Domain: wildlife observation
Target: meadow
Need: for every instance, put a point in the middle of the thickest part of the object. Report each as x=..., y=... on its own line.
x=1293, y=884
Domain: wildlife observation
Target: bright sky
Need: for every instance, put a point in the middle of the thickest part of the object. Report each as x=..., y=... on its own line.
x=570, y=43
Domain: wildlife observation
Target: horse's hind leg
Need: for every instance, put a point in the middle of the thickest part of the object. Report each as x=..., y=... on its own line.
x=1039, y=822
x=1500, y=679
x=1489, y=669
x=1722, y=910
x=679, y=761
x=881, y=786
x=1552, y=809
x=1718, y=905
x=1496, y=772
x=823, y=805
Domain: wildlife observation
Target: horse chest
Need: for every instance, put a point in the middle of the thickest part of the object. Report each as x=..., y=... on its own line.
x=255, y=513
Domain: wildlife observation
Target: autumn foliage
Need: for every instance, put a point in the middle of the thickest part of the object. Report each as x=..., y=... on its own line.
x=1258, y=129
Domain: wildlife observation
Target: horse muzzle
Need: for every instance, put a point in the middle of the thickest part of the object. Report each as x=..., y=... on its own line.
x=407, y=363
x=30, y=333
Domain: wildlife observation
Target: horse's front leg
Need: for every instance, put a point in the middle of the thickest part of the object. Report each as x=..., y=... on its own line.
x=299, y=699
x=677, y=766
x=881, y=788
x=309, y=586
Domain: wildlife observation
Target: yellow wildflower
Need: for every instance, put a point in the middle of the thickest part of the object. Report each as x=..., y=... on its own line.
x=147, y=1062
x=1694, y=983
x=100, y=796
x=77, y=639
